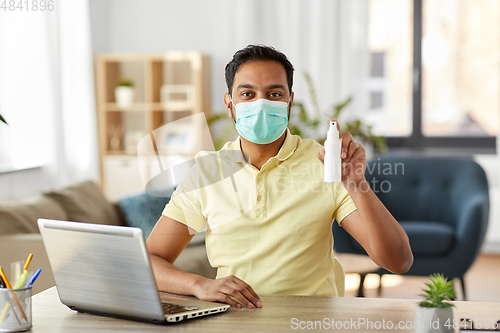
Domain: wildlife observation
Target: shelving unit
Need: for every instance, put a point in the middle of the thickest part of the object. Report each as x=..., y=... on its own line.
x=167, y=87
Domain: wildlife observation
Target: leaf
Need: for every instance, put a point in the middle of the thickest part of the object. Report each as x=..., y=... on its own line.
x=439, y=291
x=303, y=114
x=339, y=107
x=216, y=117
x=2, y=119
x=224, y=136
x=312, y=92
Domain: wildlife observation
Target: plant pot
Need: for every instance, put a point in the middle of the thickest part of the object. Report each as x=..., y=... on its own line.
x=124, y=96
x=434, y=320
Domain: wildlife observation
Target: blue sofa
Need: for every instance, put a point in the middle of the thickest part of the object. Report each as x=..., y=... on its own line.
x=84, y=202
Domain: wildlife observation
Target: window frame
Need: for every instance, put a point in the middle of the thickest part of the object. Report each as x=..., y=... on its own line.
x=417, y=140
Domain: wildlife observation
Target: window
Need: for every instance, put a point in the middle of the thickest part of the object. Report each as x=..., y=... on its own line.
x=390, y=34
x=377, y=80
x=435, y=72
x=25, y=92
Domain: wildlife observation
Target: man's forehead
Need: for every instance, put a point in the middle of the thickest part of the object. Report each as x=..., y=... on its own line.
x=253, y=72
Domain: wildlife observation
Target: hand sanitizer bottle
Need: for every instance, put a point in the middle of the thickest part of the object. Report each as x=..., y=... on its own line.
x=333, y=163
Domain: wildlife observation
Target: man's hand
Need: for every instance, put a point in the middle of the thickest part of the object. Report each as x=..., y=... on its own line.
x=226, y=290
x=353, y=160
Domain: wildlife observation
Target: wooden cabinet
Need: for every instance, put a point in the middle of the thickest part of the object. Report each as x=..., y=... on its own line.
x=166, y=87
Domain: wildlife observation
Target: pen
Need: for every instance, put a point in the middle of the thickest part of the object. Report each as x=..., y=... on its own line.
x=33, y=278
x=5, y=310
x=13, y=295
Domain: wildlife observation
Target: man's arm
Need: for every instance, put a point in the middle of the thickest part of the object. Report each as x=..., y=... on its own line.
x=372, y=225
x=165, y=243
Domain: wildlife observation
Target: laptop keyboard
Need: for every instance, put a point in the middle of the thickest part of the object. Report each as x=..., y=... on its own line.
x=170, y=308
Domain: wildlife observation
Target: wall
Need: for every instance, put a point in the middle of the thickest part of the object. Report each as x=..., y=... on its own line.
x=159, y=26
x=326, y=38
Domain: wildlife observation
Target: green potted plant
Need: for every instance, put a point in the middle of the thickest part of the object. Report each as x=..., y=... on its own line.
x=124, y=93
x=435, y=313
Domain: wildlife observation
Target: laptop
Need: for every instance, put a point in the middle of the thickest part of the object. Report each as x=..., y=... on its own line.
x=105, y=270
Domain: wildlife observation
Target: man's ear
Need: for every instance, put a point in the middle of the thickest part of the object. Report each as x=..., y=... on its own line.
x=227, y=101
x=290, y=104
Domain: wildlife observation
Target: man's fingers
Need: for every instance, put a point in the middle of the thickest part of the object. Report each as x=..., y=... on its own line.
x=235, y=291
x=353, y=147
x=248, y=292
x=346, y=140
x=244, y=284
x=253, y=301
x=222, y=297
x=321, y=155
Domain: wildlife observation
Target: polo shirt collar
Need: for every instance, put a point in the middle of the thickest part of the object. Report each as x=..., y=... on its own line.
x=287, y=149
x=289, y=146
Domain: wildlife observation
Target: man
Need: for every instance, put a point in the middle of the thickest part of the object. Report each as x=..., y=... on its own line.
x=279, y=241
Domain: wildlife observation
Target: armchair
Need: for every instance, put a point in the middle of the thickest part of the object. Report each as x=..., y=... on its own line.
x=443, y=205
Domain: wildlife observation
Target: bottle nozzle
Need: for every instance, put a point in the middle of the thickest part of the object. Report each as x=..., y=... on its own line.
x=332, y=131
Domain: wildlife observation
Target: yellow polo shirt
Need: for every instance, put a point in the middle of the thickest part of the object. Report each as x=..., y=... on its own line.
x=272, y=227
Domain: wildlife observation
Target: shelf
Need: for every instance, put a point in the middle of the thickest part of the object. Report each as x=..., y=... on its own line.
x=178, y=108
x=167, y=87
x=135, y=107
x=120, y=152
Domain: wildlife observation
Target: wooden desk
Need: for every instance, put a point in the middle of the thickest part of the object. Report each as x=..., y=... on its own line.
x=50, y=315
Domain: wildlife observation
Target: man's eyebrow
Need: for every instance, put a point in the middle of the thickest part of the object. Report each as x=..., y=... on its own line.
x=276, y=86
x=247, y=86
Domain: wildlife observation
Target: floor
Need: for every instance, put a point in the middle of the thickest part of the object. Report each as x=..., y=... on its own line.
x=482, y=283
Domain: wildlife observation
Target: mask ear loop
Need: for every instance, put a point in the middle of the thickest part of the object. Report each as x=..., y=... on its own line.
x=233, y=114
x=289, y=111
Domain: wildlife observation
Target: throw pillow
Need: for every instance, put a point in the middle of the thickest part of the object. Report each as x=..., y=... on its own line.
x=143, y=210
x=84, y=202
x=21, y=216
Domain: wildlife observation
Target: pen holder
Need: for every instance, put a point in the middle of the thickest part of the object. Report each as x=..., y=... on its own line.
x=15, y=310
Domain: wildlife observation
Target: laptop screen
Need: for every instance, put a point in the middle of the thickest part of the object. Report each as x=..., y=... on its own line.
x=102, y=268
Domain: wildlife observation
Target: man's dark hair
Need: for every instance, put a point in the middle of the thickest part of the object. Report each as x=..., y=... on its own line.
x=257, y=53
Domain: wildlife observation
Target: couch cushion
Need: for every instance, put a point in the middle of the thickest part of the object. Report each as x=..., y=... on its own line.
x=84, y=202
x=143, y=210
x=429, y=238
x=21, y=216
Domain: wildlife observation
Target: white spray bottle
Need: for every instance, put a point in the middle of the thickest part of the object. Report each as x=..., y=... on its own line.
x=333, y=163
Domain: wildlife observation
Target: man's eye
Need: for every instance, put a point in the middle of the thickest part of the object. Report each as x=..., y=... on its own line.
x=246, y=94
x=276, y=94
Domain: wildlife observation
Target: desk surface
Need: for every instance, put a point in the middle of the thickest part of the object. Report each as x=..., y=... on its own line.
x=50, y=315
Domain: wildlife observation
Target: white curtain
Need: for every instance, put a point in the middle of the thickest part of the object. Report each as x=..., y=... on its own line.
x=47, y=96
x=327, y=38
